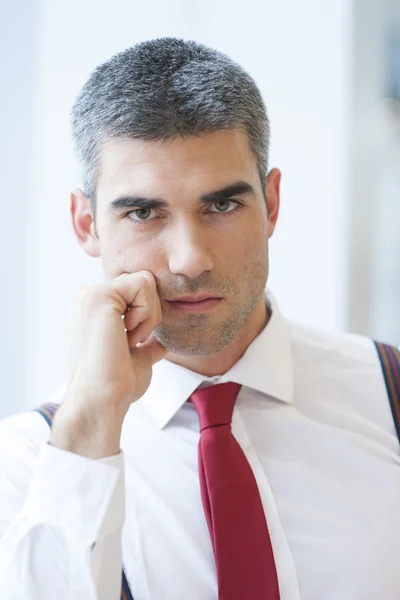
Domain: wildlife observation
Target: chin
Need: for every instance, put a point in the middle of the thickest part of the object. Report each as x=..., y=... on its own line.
x=196, y=345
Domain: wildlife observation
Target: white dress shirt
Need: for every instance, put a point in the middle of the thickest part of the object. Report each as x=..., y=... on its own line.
x=314, y=421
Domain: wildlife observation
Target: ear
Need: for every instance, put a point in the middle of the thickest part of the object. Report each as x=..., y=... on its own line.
x=83, y=223
x=272, y=190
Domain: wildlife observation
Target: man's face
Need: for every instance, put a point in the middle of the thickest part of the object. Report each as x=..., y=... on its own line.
x=203, y=238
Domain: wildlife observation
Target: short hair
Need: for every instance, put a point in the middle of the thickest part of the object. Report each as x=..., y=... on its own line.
x=161, y=89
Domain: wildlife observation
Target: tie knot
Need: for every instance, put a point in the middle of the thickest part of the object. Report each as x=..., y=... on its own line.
x=215, y=403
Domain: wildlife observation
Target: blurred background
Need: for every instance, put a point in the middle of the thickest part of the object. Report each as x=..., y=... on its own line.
x=330, y=75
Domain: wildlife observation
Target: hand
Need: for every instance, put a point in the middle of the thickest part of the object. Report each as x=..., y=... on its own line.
x=109, y=369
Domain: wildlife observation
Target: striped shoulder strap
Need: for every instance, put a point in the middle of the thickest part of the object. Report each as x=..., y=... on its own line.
x=389, y=357
x=48, y=411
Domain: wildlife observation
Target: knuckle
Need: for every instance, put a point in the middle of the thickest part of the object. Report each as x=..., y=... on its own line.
x=148, y=279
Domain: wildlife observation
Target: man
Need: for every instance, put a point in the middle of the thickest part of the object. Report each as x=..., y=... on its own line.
x=294, y=495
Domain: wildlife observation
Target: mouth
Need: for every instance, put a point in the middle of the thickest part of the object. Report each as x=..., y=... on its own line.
x=194, y=303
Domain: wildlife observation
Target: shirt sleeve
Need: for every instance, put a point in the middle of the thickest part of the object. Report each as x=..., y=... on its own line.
x=61, y=518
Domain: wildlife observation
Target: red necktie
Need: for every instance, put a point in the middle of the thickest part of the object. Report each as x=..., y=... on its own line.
x=231, y=501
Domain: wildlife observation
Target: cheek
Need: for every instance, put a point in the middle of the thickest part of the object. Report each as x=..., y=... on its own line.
x=252, y=235
x=122, y=254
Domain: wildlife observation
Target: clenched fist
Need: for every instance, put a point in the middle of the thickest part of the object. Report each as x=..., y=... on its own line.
x=113, y=353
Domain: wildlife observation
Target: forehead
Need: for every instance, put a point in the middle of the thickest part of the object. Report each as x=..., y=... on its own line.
x=197, y=162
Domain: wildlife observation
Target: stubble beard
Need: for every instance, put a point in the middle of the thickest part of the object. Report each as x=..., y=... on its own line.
x=198, y=334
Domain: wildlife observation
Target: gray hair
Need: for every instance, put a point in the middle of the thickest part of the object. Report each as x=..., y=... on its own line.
x=166, y=88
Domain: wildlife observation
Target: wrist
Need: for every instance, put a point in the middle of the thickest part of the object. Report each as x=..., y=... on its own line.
x=92, y=433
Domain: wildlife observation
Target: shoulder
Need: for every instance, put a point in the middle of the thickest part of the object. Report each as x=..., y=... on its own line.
x=347, y=361
x=22, y=434
x=339, y=375
x=332, y=346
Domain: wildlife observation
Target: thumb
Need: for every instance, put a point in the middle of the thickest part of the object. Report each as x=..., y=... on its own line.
x=153, y=349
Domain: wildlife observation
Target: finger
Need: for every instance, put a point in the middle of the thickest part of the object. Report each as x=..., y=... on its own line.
x=144, y=317
x=137, y=315
x=152, y=350
x=133, y=290
x=140, y=333
x=146, y=306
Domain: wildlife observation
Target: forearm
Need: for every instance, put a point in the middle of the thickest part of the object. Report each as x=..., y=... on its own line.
x=82, y=428
x=40, y=563
x=67, y=538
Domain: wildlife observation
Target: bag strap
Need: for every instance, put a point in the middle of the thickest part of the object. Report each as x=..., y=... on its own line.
x=389, y=357
x=48, y=411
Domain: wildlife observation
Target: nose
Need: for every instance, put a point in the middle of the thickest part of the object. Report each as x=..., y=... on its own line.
x=189, y=252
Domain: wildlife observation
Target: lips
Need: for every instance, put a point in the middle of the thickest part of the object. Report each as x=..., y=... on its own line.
x=193, y=304
x=194, y=299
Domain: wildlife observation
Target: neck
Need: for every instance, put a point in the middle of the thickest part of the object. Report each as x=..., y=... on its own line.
x=220, y=363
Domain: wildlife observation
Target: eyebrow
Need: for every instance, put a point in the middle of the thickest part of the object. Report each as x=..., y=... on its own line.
x=239, y=188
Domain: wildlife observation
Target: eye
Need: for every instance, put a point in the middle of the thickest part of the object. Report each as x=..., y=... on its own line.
x=224, y=205
x=140, y=214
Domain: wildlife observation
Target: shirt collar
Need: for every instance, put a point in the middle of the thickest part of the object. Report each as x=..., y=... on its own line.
x=265, y=366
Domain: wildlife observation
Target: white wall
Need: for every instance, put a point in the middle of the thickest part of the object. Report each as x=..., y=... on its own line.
x=374, y=216
x=299, y=56
x=17, y=68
